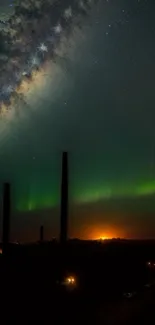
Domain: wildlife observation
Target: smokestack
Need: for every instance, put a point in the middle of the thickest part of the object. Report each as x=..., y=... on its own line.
x=41, y=234
x=64, y=199
x=6, y=217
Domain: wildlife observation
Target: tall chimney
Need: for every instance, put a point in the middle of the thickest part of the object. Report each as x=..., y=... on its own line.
x=6, y=217
x=64, y=199
x=41, y=234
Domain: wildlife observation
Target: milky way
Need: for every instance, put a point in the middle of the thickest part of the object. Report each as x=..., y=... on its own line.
x=29, y=40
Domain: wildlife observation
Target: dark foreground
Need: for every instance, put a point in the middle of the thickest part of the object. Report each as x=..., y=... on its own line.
x=32, y=277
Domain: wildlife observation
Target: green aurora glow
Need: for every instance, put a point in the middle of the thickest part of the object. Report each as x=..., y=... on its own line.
x=42, y=194
x=42, y=199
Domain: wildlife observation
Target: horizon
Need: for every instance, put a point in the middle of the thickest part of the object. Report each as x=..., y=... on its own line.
x=99, y=240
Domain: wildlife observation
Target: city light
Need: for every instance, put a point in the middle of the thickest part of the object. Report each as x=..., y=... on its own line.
x=70, y=280
x=151, y=264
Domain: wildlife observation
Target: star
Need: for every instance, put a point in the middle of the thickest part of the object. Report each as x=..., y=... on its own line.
x=58, y=29
x=68, y=13
x=43, y=48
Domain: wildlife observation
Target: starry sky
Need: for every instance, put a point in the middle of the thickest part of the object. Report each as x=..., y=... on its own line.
x=96, y=100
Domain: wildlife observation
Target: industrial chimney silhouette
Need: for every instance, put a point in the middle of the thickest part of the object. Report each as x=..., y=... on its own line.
x=41, y=234
x=6, y=218
x=64, y=200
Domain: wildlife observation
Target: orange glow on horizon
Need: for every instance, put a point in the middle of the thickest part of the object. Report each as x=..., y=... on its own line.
x=105, y=238
x=99, y=233
x=105, y=234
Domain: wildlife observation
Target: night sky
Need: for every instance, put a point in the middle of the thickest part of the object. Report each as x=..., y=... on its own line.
x=95, y=97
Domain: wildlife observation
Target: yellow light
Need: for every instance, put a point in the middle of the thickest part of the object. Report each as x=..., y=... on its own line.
x=104, y=238
x=70, y=280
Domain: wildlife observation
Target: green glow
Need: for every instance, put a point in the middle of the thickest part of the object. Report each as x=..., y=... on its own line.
x=37, y=185
x=147, y=188
x=40, y=194
x=115, y=191
x=37, y=202
x=40, y=199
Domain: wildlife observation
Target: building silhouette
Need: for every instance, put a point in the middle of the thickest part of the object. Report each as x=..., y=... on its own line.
x=64, y=200
x=6, y=217
x=41, y=234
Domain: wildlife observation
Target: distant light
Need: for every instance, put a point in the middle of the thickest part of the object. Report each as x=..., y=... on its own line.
x=104, y=238
x=70, y=281
x=58, y=29
x=0, y=250
x=43, y=48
